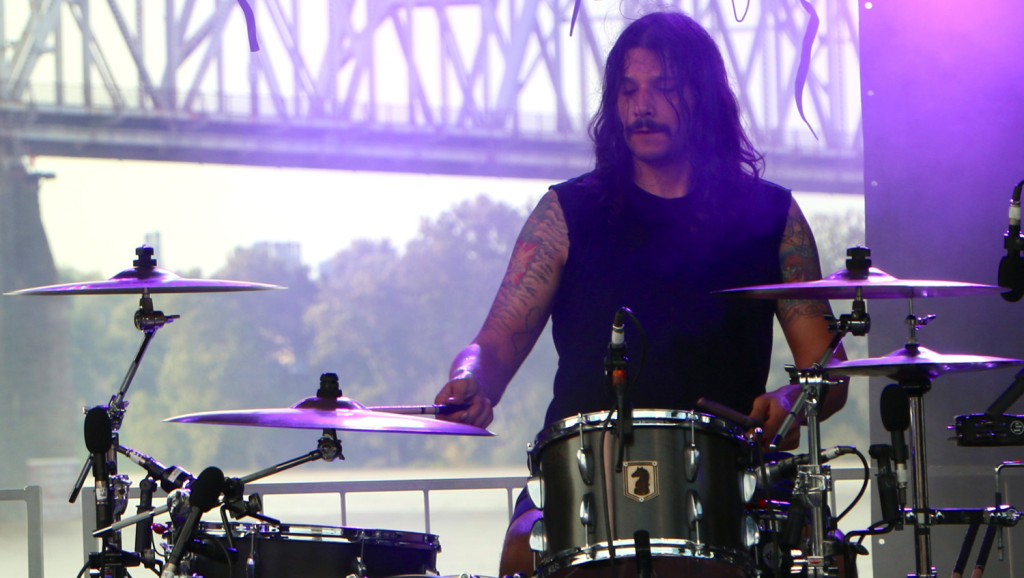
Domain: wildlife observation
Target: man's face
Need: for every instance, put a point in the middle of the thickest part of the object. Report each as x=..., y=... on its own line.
x=649, y=109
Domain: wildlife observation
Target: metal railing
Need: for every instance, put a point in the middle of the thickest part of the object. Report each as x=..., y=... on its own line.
x=33, y=498
x=511, y=484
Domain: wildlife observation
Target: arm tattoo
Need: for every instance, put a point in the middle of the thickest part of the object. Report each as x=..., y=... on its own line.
x=521, y=308
x=798, y=261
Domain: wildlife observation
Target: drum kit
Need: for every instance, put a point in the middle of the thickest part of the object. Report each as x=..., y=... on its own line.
x=235, y=549
x=690, y=493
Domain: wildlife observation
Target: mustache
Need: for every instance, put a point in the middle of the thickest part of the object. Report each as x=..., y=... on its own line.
x=646, y=124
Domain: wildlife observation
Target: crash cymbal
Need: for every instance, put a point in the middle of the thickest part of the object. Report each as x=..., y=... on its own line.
x=916, y=362
x=145, y=278
x=877, y=284
x=154, y=280
x=328, y=413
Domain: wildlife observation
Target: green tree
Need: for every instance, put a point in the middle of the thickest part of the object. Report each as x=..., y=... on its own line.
x=389, y=324
x=240, y=350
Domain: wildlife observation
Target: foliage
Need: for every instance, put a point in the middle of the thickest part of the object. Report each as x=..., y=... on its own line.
x=387, y=321
x=389, y=324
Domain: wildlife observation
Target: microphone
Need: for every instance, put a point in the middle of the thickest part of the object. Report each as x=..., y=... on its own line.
x=895, y=408
x=615, y=366
x=615, y=363
x=204, y=494
x=170, y=478
x=1011, y=269
x=618, y=340
x=786, y=468
x=888, y=494
x=642, y=547
x=99, y=432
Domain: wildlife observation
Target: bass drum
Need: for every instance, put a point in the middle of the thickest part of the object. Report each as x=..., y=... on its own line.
x=267, y=551
x=683, y=487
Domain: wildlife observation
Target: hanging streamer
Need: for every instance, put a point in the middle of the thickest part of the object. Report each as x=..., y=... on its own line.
x=250, y=25
x=805, y=61
x=575, y=13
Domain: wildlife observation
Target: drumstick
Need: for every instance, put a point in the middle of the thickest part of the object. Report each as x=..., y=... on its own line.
x=434, y=409
x=745, y=421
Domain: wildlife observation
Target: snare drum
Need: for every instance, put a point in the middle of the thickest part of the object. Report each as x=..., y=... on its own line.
x=685, y=480
x=313, y=552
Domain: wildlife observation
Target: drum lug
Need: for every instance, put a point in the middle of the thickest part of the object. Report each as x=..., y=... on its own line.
x=586, y=506
x=751, y=532
x=358, y=569
x=538, y=537
x=535, y=489
x=691, y=456
x=748, y=485
x=691, y=462
x=694, y=514
x=585, y=465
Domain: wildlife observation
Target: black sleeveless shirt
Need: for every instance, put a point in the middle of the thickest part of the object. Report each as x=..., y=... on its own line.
x=663, y=258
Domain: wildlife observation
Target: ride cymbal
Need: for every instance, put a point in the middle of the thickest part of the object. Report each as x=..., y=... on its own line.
x=328, y=413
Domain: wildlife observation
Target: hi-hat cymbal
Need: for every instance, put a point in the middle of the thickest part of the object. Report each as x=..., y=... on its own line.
x=916, y=362
x=327, y=413
x=876, y=285
x=146, y=280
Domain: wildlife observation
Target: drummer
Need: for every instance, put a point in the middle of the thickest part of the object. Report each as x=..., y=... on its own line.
x=674, y=209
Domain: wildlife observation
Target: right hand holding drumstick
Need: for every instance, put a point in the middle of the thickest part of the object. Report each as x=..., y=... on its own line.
x=464, y=389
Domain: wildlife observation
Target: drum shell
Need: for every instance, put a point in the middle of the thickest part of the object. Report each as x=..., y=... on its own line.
x=662, y=439
x=318, y=551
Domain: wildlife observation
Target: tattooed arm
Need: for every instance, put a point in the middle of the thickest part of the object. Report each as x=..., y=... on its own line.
x=804, y=325
x=482, y=370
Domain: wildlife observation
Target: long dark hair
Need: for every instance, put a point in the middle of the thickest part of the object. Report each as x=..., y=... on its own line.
x=718, y=147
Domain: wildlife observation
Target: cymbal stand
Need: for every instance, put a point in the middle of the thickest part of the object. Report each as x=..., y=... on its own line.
x=111, y=559
x=148, y=321
x=857, y=322
x=921, y=515
x=328, y=449
x=814, y=480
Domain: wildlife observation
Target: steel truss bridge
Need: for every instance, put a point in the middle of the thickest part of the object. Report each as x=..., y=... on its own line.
x=477, y=87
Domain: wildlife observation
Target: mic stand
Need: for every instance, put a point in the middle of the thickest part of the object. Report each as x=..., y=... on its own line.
x=615, y=366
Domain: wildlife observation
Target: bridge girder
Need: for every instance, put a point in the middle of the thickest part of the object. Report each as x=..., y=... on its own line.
x=483, y=87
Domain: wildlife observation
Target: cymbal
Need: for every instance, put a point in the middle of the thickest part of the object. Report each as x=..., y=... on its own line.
x=146, y=280
x=327, y=413
x=876, y=285
x=916, y=362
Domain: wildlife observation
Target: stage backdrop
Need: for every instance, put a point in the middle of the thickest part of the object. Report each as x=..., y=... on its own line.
x=943, y=100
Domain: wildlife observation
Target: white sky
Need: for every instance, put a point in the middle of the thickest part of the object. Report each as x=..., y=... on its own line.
x=96, y=212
